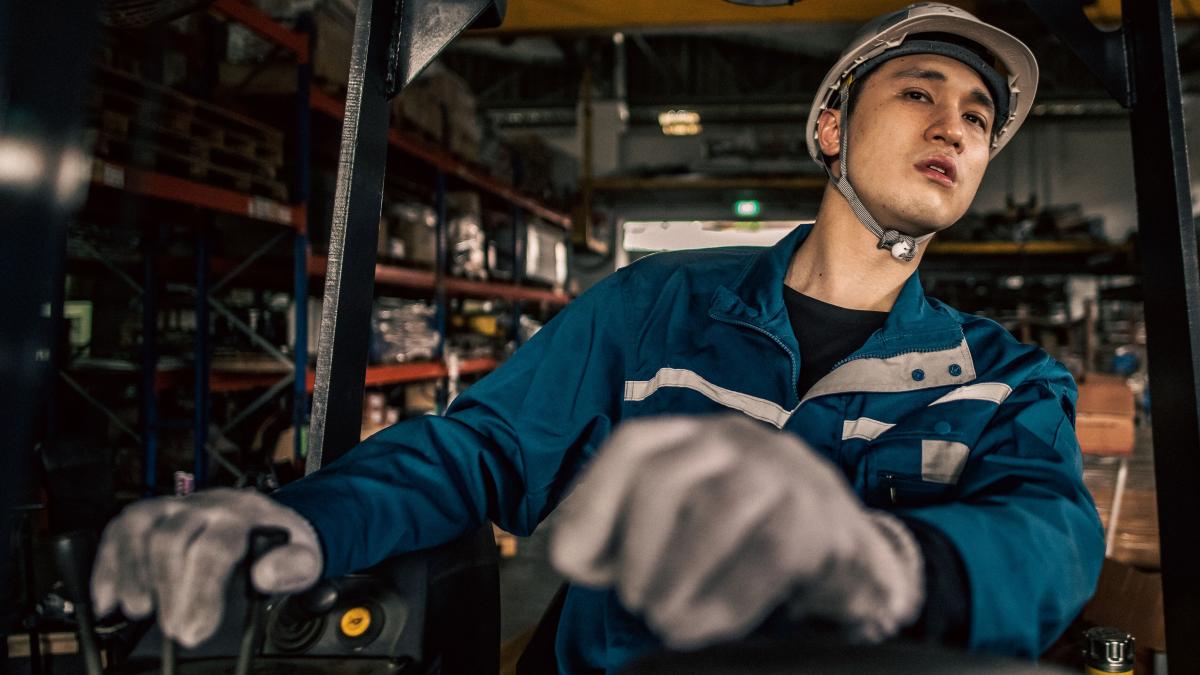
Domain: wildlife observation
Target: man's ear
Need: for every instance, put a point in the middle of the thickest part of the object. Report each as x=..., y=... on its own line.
x=829, y=132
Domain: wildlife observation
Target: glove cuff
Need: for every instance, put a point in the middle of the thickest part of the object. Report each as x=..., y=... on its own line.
x=902, y=577
x=874, y=591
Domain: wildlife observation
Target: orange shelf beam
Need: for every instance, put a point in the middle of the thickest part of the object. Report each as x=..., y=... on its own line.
x=379, y=376
x=384, y=274
x=441, y=159
x=491, y=289
x=423, y=371
x=224, y=382
x=229, y=381
x=1035, y=247
x=392, y=275
x=269, y=29
x=184, y=191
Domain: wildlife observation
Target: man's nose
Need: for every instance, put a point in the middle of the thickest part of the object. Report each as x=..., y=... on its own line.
x=947, y=128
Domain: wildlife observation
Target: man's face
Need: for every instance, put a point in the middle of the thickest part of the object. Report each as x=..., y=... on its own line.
x=920, y=136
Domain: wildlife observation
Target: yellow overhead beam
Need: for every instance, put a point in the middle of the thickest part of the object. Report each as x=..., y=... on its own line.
x=573, y=16
x=1109, y=11
x=559, y=16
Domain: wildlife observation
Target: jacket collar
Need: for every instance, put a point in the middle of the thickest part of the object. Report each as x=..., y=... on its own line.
x=756, y=298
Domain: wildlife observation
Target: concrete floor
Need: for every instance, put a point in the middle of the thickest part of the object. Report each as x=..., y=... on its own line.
x=1136, y=540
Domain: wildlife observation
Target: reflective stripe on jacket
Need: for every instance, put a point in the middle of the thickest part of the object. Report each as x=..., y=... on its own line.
x=940, y=416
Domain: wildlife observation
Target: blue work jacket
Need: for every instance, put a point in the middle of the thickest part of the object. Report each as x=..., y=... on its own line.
x=940, y=417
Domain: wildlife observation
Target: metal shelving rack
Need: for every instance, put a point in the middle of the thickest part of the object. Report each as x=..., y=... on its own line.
x=204, y=379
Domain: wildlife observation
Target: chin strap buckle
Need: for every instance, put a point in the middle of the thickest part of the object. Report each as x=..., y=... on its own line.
x=902, y=246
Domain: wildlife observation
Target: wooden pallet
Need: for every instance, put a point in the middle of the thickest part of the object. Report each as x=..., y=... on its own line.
x=151, y=127
x=124, y=114
x=214, y=150
x=195, y=163
x=150, y=102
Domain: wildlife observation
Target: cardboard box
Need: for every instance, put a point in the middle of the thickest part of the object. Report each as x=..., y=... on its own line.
x=333, y=33
x=440, y=106
x=1104, y=416
x=1101, y=434
x=416, y=225
x=1105, y=394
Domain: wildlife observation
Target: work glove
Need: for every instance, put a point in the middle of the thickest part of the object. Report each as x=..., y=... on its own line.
x=706, y=525
x=176, y=554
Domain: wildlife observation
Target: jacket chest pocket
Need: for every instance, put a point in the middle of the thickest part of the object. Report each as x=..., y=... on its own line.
x=913, y=470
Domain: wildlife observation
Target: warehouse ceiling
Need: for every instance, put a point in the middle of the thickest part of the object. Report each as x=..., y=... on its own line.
x=737, y=69
x=748, y=74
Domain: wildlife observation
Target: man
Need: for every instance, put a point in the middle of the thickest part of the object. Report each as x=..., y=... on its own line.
x=854, y=455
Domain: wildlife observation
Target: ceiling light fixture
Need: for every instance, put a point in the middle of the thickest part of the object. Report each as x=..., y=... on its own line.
x=680, y=122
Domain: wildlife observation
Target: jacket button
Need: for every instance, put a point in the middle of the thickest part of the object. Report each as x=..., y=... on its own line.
x=918, y=374
x=955, y=370
x=942, y=427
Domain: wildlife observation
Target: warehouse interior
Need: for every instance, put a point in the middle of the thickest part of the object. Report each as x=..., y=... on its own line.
x=524, y=164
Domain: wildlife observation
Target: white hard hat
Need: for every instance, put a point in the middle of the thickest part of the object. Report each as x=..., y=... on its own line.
x=934, y=27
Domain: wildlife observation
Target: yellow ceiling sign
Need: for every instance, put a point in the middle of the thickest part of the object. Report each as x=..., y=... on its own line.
x=559, y=16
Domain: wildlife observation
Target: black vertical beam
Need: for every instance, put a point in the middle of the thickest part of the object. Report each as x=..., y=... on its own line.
x=45, y=58
x=354, y=234
x=300, y=196
x=1172, y=304
x=441, y=271
x=202, y=355
x=148, y=398
x=519, y=232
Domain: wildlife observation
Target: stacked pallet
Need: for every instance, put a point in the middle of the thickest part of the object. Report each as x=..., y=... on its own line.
x=148, y=126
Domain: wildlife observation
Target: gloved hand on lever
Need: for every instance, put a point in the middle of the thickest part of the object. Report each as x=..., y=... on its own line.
x=175, y=555
x=706, y=525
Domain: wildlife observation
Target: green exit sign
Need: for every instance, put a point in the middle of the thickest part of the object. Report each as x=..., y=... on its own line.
x=747, y=208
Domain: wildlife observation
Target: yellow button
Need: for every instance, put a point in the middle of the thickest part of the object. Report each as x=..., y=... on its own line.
x=356, y=621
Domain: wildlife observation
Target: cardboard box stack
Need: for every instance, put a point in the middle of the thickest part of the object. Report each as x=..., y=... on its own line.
x=439, y=105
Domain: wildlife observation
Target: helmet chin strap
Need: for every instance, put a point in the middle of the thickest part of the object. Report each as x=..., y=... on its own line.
x=902, y=246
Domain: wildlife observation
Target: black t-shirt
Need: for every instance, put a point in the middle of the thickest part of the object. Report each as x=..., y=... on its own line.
x=827, y=334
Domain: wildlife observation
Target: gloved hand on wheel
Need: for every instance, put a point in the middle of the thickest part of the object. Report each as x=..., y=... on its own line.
x=174, y=556
x=706, y=525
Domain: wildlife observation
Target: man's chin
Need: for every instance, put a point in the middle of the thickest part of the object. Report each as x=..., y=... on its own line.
x=919, y=229
x=919, y=225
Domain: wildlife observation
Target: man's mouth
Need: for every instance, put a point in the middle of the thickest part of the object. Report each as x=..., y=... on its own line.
x=938, y=169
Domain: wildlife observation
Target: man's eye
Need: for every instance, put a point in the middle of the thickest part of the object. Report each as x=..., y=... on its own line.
x=916, y=95
x=976, y=120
